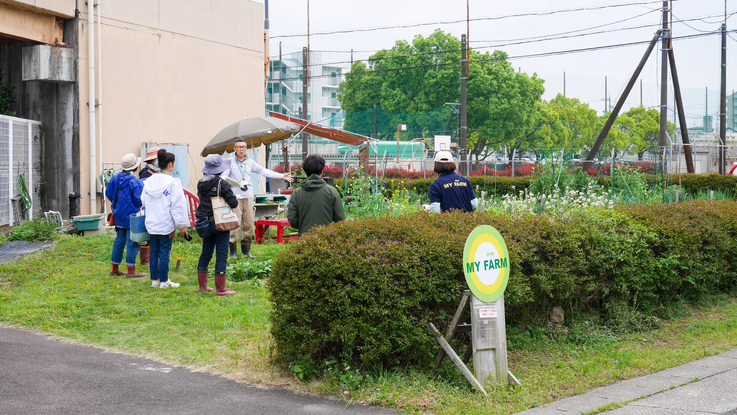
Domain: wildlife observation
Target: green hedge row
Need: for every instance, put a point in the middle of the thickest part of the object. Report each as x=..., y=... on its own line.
x=502, y=185
x=363, y=291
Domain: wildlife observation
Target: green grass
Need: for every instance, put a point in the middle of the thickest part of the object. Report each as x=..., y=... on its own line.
x=66, y=291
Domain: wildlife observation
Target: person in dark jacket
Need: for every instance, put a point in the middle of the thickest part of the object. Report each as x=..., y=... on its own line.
x=149, y=163
x=207, y=188
x=450, y=191
x=124, y=193
x=315, y=202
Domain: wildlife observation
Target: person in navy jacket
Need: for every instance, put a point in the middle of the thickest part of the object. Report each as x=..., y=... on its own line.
x=450, y=191
x=124, y=193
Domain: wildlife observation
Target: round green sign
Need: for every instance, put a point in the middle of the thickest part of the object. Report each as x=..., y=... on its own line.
x=486, y=263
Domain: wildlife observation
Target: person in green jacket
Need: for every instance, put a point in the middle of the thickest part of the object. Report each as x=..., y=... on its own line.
x=315, y=202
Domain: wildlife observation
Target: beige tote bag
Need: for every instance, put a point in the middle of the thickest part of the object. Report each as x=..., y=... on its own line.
x=225, y=218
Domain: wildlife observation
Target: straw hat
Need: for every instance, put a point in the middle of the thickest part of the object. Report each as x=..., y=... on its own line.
x=151, y=154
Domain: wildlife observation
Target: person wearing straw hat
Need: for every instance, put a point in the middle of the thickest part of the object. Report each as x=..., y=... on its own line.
x=149, y=168
x=124, y=194
x=240, y=169
x=450, y=191
x=212, y=185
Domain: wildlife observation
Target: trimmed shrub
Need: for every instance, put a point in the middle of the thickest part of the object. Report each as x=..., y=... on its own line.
x=363, y=291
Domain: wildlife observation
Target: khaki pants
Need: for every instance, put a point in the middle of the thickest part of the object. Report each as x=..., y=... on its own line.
x=244, y=212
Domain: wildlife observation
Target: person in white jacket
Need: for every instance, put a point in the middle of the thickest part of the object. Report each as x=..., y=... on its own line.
x=240, y=170
x=166, y=211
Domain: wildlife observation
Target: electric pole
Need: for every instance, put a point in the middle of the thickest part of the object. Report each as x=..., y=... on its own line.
x=464, y=128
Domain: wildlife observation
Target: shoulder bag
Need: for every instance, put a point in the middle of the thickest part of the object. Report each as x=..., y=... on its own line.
x=110, y=217
x=225, y=218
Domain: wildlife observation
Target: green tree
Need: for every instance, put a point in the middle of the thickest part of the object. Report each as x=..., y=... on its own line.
x=423, y=76
x=563, y=123
x=636, y=131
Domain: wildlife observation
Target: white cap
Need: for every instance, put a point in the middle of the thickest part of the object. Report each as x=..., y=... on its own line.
x=444, y=157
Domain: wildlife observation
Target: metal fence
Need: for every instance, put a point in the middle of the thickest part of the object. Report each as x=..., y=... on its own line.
x=20, y=155
x=705, y=158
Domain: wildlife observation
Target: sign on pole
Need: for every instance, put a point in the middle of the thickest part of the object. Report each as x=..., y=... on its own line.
x=486, y=267
x=486, y=263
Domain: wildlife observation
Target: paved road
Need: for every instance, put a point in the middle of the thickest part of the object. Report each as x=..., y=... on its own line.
x=706, y=386
x=40, y=375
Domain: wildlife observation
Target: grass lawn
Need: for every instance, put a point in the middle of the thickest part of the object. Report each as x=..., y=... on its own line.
x=66, y=291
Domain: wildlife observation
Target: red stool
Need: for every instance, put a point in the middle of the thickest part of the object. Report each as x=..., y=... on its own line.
x=280, y=224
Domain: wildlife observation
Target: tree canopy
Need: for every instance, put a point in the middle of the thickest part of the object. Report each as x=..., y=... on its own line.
x=424, y=76
x=418, y=84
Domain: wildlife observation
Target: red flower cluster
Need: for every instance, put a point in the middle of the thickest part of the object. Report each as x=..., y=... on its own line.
x=648, y=167
x=523, y=169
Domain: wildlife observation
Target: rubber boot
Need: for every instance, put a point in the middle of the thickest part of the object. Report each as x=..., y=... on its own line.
x=132, y=273
x=202, y=280
x=115, y=271
x=220, y=284
x=145, y=254
x=233, y=254
x=246, y=249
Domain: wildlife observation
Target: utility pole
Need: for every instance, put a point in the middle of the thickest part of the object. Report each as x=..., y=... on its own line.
x=375, y=133
x=664, y=82
x=464, y=128
x=564, y=83
x=305, y=116
x=723, y=100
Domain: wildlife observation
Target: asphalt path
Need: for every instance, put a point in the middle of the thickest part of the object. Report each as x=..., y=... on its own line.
x=41, y=375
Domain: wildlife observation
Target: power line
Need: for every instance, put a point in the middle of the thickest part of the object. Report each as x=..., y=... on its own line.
x=519, y=41
x=533, y=55
x=545, y=13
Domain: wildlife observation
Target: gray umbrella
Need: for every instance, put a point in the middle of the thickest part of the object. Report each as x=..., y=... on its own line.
x=256, y=131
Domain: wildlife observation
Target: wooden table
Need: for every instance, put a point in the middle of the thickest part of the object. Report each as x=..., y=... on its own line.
x=280, y=224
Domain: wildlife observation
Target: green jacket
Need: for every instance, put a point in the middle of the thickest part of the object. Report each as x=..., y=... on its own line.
x=314, y=203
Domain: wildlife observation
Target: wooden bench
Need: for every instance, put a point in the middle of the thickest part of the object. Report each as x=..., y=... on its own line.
x=262, y=224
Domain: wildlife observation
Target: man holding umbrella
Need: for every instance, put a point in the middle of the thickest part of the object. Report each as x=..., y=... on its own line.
x=240, y=170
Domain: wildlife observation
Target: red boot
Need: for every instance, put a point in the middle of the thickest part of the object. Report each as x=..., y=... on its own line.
x=114, y=271
x=132, y=273
x=220, y=284
x=202, y=280
x=145, y=254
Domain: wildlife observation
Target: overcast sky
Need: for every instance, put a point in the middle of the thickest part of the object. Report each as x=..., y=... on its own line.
x=503, y=25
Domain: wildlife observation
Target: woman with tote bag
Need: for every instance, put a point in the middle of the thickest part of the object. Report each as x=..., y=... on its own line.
x=212, y=191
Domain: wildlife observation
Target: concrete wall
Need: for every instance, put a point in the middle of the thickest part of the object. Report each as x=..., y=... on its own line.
x=61, y=8
x=56, y=106
x=173, y=71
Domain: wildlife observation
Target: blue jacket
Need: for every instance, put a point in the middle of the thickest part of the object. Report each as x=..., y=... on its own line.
x=129, y=197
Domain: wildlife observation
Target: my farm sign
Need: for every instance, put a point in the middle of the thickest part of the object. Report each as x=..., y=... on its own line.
x=486, y=263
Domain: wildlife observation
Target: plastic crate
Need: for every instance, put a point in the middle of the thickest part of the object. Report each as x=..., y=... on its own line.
x=87, y=222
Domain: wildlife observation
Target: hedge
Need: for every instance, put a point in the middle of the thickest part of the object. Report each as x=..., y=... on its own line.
x=502, y=185
x=363, y=291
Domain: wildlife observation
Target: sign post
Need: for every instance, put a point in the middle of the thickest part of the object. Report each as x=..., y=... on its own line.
x=486, y=267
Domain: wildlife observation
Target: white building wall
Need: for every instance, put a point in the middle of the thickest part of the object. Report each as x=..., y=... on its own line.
x=174, y=71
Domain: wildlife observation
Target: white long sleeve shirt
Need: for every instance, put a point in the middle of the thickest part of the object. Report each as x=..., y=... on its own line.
x=241, y=170
x=166, y=206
